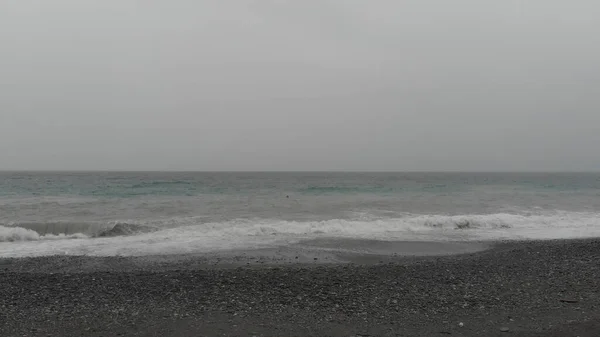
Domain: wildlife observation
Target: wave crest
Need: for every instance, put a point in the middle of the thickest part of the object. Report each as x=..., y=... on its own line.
x=407, y=227
x=33, y=231
x=13, y=234
x=122, y=229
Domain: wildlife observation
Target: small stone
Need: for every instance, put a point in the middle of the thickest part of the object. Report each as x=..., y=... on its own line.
x=569, y=300
x=461, y=324
x=504, y=329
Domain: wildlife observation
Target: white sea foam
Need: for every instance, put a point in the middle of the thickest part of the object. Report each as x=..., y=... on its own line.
x=189, y=235
x=16, y=234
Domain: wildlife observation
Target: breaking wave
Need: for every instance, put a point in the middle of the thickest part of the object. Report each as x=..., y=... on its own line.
x=33, y=231
x=185, y=235
x=12, y=234
x=410, y=226
x=121, y=229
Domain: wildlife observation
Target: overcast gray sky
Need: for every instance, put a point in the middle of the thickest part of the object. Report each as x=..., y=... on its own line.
x=300, y=85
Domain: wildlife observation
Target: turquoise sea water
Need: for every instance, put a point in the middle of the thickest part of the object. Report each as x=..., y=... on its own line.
x=131, y=184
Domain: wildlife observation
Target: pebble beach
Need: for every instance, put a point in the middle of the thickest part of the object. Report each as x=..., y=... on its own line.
x=534, y=288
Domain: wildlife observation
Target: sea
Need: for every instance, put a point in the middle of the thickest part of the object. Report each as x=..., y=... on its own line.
x=158, y=213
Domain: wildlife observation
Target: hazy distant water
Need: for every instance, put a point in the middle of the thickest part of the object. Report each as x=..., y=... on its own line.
x=158, y=213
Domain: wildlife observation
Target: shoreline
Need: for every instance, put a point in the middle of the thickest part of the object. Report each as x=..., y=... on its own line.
x=531, y=288
x=315, y=252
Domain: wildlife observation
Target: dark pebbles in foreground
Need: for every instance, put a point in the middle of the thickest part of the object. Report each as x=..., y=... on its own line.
x=516, y=289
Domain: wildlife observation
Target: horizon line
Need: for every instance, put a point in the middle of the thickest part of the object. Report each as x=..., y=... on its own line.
x=284, y=171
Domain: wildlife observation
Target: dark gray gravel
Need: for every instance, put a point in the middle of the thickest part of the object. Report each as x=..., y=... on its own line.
x=515, y=289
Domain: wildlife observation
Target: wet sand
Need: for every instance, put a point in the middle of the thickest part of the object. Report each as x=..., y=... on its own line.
x=306, y=253
x=365, y=289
